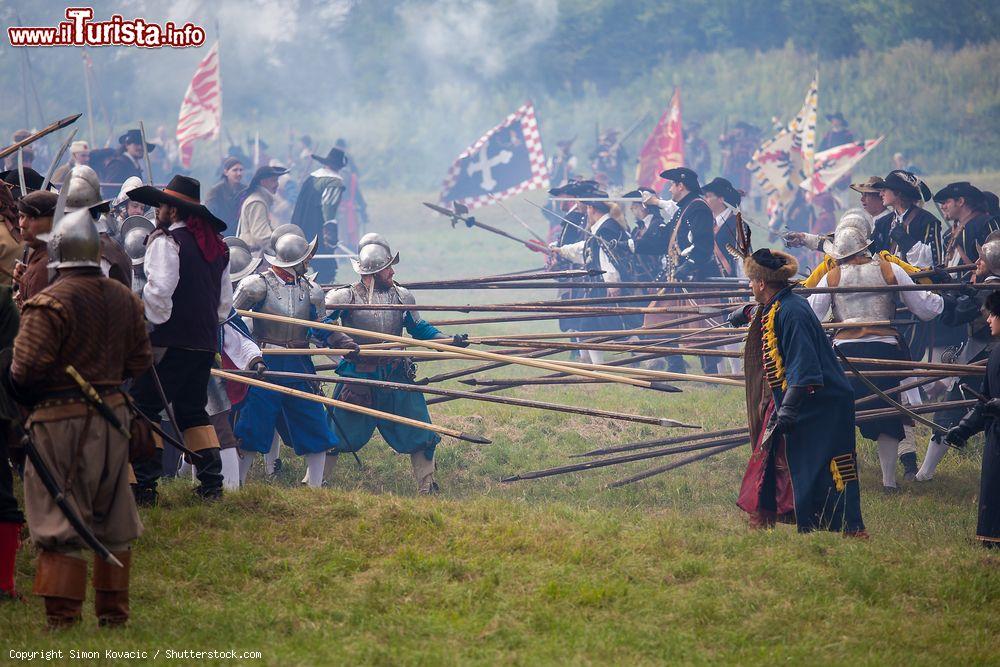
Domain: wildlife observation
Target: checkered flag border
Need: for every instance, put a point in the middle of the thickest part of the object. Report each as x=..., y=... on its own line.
x=532, y=141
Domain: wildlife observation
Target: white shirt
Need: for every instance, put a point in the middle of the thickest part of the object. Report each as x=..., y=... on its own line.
x=924, y=304
x=574, y=252
x=162, y=265
x=236, y=345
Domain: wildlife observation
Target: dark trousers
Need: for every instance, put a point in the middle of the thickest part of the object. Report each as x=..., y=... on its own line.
x=184, y=375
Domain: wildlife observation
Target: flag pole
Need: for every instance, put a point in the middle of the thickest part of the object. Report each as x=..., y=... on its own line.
x=218, y=60
x=90, y=103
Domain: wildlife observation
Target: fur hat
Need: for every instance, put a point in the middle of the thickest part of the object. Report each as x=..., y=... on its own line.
x=771, y=266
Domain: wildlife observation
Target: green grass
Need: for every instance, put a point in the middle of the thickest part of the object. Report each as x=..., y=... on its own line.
x=558, y=570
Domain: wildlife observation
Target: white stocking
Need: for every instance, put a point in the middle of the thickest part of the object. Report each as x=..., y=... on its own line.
x=271, y=456
x=887, y=448
x=314, y=469
x=245, y=462
x=596, y=356
x=230, y=468
x=935, y=452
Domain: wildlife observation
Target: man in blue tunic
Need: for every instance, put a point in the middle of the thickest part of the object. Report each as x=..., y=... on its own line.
x=285, y=290
x=800, y=407
x=374, y=265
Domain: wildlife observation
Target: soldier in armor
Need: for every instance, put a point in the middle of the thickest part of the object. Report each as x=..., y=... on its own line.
x=965, y=309
x=134, y=231
x=882, y=216
x=376, y=286
x=95, y=325
x=85, y=193
x=123, y=208
x=606, y=248
x=855, y=267
x=285, y=290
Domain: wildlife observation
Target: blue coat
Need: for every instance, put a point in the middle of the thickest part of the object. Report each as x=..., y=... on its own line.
x=786, y=346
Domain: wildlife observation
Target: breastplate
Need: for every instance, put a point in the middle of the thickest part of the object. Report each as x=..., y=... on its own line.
x=383, y=321
x=288, y=300
x=862, y=306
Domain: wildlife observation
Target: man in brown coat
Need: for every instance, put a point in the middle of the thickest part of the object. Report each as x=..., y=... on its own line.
x=35, y=212
x=95, y=325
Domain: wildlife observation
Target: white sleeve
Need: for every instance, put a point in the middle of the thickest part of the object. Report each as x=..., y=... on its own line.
x=820, y=303
x=225, y=295
x=162, y=265
x=925, y=304
x=610, y=272
x=669, y=207
x=573, y=252
x=240, y=349
x=920, y=255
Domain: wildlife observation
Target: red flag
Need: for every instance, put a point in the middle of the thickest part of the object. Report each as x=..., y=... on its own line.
x=665, y=147
x=201, y=110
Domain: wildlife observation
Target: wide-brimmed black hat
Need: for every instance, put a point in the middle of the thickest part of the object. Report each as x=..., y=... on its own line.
x=638, y=193
x=836, y=115
x=683, y=175
x=963, y=189
x=721, y=187
x=135, y=137
x=906, y=184
x=32, y=179
x=991, y=203
x=575, y=189
x=183, y=192
x=335, y=159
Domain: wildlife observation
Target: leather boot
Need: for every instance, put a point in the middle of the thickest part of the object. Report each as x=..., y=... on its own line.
x=62, y=581
x=111, y=590
x=204, y=443
x=147, y=473
x=423, y=473
x=10, y=540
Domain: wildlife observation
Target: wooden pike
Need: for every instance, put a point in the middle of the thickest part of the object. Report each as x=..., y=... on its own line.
x=351, y=407
x=500, y=279
x=673, y=466
x=504, y=400
x=511, y=308
x=466, y=352
x=504, y=319
x=48, y=129
x=735, y=441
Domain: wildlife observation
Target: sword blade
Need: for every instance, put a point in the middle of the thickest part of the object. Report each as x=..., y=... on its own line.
x=58, y=159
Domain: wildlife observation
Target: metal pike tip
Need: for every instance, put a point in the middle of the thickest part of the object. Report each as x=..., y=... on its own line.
x=472, y=382
x=478, y=439
x=664, y=386
x=508, y=480
x=676, y=424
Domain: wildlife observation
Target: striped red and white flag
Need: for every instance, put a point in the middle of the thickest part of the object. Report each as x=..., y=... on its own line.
x=201, y=110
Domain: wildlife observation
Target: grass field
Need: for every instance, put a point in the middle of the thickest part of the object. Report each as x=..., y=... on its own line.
x=559, y=570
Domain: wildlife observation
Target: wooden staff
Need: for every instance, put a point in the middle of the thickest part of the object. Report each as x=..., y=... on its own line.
x=544, y=353
x=504, y=400
x=351, y=407
x=673, y=466
x=466, y=352
x=661, y=469
x=735, y=440
x=462, y=321
x=581, y=284
x=504, y=278
x=512, y=308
